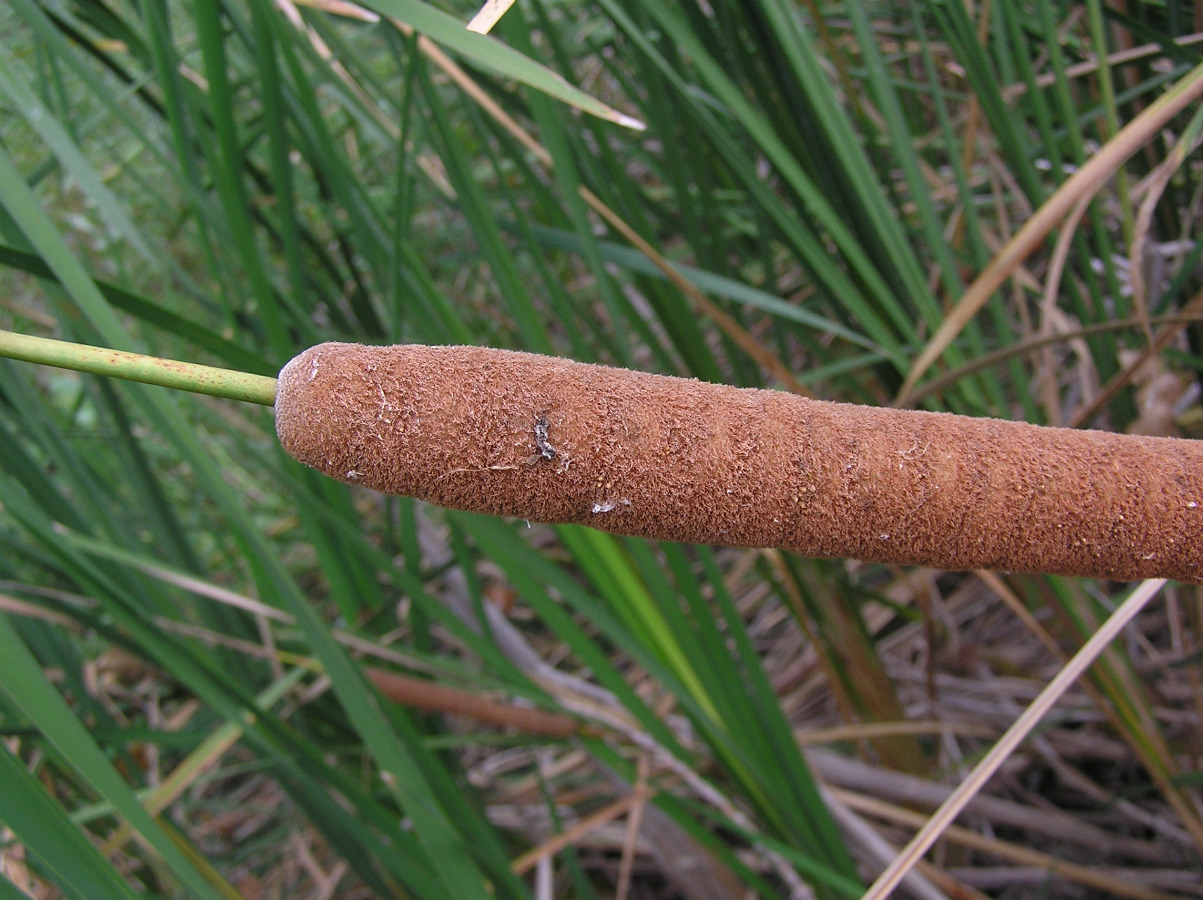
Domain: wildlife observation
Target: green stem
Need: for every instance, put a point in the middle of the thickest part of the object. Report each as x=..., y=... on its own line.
x=169, y=373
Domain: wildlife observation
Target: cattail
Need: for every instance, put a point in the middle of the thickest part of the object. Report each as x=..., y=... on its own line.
x=550, y=440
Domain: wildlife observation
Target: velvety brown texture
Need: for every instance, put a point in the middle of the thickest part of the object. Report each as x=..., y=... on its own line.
x=551, y=440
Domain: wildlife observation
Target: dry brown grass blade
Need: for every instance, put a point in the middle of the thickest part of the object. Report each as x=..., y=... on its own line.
x=1019, y=348
x=608, y=813
x=634, y=822
x=859, y=731
x=1086, y=414
x=1050, y=315
x=1087, y=67
x=489, y=15
x=1154, y=187
x=432, y=697
x=338, y=8
x=875, y=852
x=1085, y=875
x=1083, y=183
x=999, y=812
x=1007, y=744
x=31, y=611
x=1153, y=753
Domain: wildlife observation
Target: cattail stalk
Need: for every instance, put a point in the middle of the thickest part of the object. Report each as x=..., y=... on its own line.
x=551, y=440
x=171, y=373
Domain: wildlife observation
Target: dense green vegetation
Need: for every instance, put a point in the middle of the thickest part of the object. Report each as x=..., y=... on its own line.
x=989, y=210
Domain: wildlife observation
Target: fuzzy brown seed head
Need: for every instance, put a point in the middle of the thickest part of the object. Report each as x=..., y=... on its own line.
x=551, y=440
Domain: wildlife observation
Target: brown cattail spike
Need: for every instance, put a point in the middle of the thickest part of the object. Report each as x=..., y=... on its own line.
x=550, y=440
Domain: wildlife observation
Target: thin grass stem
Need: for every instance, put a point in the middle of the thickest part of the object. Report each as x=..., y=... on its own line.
x=169, y=373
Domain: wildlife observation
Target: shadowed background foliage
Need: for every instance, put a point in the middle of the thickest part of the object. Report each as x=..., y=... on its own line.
x=193, y=623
